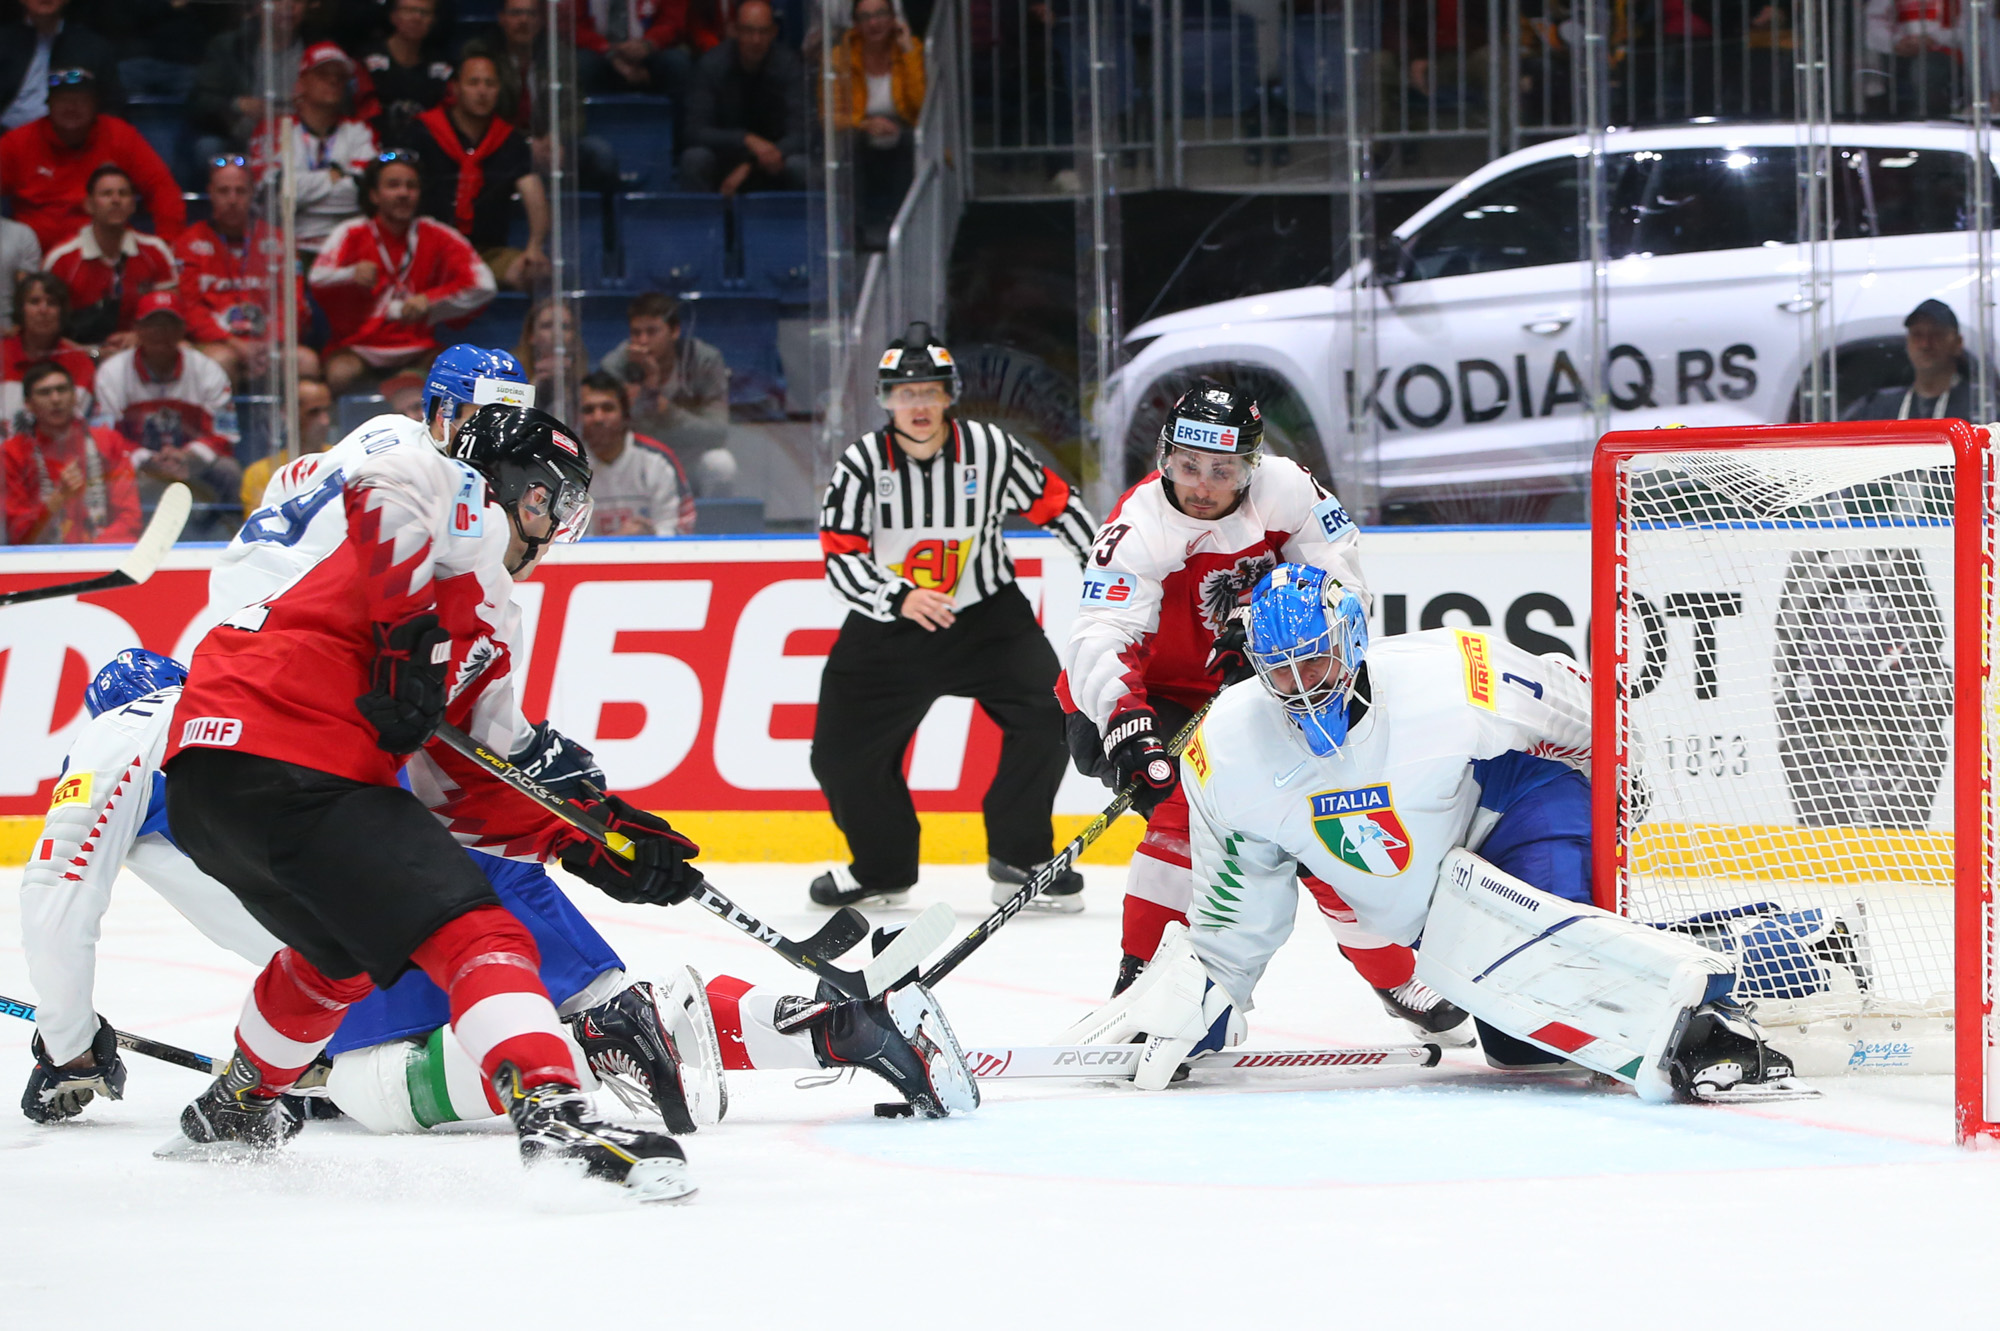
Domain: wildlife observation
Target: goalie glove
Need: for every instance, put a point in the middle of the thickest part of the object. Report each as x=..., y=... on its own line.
x=559, y=764
x=1173, y=1007
x=406, y=702
x=658, y=874
x=55, y=1093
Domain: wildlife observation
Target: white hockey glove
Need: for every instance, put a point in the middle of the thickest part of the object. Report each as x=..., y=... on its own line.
x=1174, y=1007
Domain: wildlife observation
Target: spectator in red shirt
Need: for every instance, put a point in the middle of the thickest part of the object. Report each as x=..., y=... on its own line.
x=108, y=265
x=226, y=267
x=66, y=484
x=386, y=279
x=45, y=165
x=644, y=45
x=42, y=300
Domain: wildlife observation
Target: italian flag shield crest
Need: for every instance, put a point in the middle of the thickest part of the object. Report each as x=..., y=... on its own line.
x=1361, y=827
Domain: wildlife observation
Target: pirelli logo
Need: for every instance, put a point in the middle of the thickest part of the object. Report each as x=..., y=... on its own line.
x=1477, y=655
x=1197, y=756
x=215, y=732
x=72, y=790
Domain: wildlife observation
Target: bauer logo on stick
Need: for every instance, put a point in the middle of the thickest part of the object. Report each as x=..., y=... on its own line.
x=1361, y=827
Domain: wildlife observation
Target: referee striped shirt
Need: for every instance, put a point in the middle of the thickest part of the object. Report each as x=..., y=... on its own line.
x=890, y=524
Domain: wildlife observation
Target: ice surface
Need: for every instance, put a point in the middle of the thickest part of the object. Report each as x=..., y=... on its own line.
x=1447, y=1197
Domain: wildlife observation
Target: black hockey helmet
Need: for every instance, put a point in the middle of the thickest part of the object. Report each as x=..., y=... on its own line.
x=917, y=357
x=534, y=463
x=1212, y=419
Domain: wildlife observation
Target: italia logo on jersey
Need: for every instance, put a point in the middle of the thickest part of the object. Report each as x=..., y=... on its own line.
x=1361, y=827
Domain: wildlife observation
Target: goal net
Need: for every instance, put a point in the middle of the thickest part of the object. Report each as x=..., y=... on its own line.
x=1792, y=632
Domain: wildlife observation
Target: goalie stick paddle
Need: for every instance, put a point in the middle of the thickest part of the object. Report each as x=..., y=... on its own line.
x=847, y=927
x=169, y=516
x=138, y=1044
x=1048, y=873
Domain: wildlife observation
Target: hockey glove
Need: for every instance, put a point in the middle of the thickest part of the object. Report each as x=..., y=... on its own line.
x=55, y=1093
x=1230, y=655
x=658, y=874
x=407, y=701
x=558, y=763
x=1086, y=747
x=1133, y=745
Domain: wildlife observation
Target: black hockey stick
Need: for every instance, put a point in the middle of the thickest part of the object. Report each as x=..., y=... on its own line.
x=138, y=1044
x=847, y=927
x=1049, y=872
x=169, y=516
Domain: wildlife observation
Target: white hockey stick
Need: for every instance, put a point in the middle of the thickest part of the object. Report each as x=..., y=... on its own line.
x=1121, y=1061
x=169, y=516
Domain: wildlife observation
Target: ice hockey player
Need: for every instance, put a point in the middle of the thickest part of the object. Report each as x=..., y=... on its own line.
x=1160, y=630
x=1370, y=767
x=912, y=528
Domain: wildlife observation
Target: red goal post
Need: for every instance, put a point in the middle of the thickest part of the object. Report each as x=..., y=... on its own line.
x=1793, y=633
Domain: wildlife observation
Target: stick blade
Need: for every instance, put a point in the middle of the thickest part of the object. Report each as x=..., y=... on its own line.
x=838, y=935
x=918, y=939
x=169, y=517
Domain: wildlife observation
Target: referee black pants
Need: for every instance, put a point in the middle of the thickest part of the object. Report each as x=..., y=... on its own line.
x=881, y=679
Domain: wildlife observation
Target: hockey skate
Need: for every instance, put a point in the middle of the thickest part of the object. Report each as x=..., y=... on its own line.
x=838, y=887
x=230, y=1120
x=657, y=1054
x=1064, y=896
x=1428, y=1016
x=902, y=1037
x=1718, y=1056
x=554, y=1123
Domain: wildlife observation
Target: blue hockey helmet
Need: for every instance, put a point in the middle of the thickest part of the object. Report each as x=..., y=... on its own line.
x=466, y=374
x=1308, y=637
x=132, y=674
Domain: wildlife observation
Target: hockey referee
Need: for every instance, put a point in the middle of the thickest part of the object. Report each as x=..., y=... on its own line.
x=911, y=530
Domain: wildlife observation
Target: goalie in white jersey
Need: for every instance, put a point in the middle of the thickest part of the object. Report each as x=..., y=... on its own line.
x=1375, y=770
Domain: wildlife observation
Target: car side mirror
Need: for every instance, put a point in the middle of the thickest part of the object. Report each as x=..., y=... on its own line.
x=1390, y=263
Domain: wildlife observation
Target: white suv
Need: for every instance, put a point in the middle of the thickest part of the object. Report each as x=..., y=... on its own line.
x=1480, y=307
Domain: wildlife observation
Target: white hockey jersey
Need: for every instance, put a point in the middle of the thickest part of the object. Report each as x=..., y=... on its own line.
x=109, y=812
x=1375, y=819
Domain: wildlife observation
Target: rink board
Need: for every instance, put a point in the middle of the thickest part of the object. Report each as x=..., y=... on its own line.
x=691, y=667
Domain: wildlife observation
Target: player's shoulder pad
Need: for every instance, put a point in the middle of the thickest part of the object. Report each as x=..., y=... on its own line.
x=1293, y=500
x=107, y=743
x=392, y=446
x=1244, y=734
x=1440, y=670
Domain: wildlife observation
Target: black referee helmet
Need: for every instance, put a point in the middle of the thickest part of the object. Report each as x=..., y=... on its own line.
x=917, y=357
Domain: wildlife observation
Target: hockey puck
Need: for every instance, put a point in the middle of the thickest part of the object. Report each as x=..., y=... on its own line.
x=894, y=1109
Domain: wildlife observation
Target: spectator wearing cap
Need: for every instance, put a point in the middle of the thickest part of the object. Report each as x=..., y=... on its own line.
x=46, y=165
x=20, y=254
x=474, y=163
x=328, y=148
x=746, y=111
x=637, y=487
x=41, y=300
x=386, y=279
x=67, y=484
x=57, y=42
x=313, y=435
x=226, y=268
x=108, y=265
x=407, y=67
x=644, y=45
x=171, y=405
x=1939, y=387
x=679, y=385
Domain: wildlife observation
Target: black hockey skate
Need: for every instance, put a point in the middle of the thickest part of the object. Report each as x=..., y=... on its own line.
x=902, y=1037
x=838, y=887
x=1718, y=1056
x=1129, y=970
x=231, y=1120
x=629, y=1049
x=554, y=1122
x=1064, y=896
x=1426, y=1013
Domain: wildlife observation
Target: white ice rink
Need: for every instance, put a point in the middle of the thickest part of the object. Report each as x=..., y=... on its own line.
x=1452, y=1197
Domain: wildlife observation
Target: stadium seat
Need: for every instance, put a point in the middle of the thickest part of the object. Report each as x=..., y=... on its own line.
x=771, y=232
x=163, y=122
x=601, y=319
x=592, y=247
x=673, y=242
x=1218, y=62
x=744, y=328
x=498, y=325
x=196, y=205
x=640, y=129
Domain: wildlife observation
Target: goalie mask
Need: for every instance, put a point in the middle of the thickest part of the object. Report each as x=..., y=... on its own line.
x=1208, y=447
x=129, y=676
x=1308, y=637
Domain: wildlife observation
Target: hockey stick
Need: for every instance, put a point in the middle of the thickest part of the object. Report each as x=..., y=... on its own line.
x=1049, y=872
x=847, y=927
x=1121, y=1061
x=169, y=517
x=138, y=1044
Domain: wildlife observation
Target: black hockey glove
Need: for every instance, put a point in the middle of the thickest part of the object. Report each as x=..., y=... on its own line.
x=1231, y=653
x=659, y=873
x=1133, y=745
x=56, y=1093
x=406, y=702
x=559, y=764
x=1086, y=747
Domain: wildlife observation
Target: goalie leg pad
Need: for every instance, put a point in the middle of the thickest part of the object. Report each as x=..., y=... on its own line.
x=1591, y=986
x=1173, y=1005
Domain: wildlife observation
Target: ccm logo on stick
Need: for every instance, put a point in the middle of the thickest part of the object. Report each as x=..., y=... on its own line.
x=218, y=732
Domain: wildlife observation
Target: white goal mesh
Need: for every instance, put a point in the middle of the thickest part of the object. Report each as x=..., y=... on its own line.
x=1785, y=733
